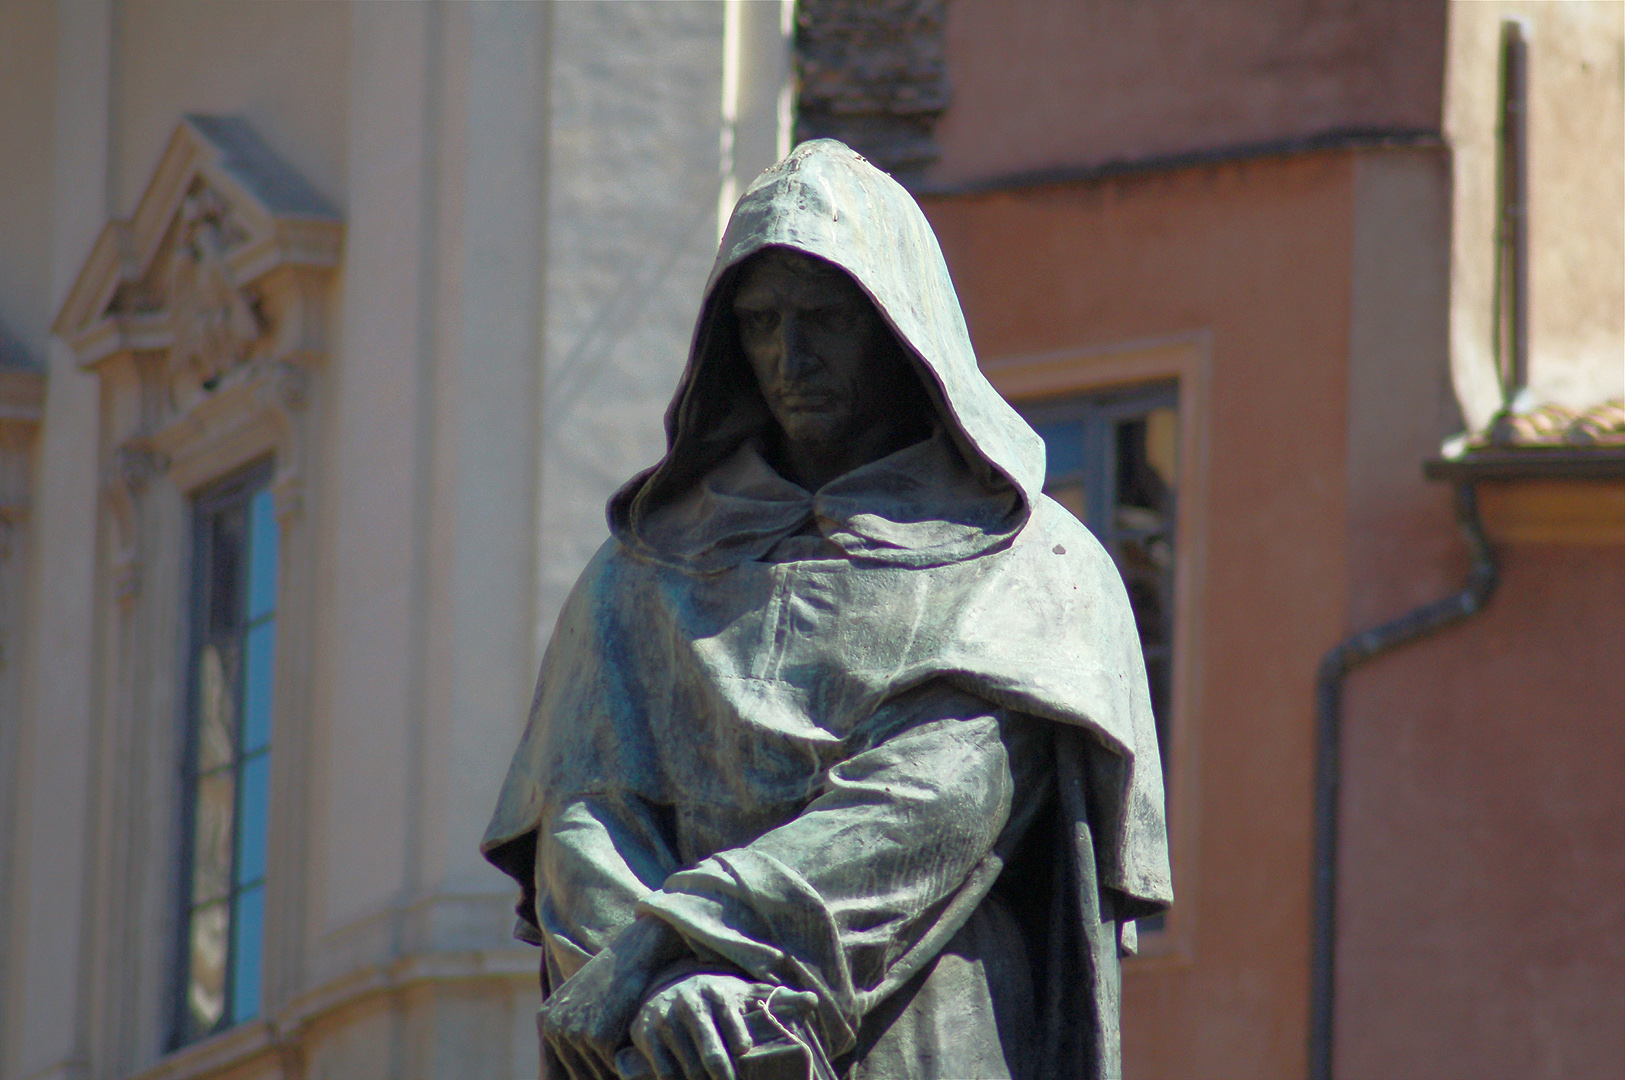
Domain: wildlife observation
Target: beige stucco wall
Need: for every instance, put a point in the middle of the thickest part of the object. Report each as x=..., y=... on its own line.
x=46, y=878
x=633, y=213
x=1576, y=193
x=283, y=66
x=610, y=361
x=27, y=75
x=27, y=34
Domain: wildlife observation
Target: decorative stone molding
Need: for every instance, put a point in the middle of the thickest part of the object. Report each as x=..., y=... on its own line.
x=273, y=1047
x=874, y=74
x=215, y=321
x=132, y=466
x=208, y=304
x=204, y=316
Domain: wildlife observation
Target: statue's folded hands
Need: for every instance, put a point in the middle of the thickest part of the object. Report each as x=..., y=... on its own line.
x=692, y=1021
x=586, y=1020
x=700, y=1024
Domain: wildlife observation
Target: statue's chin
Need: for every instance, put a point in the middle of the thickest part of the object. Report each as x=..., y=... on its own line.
x=818, y=431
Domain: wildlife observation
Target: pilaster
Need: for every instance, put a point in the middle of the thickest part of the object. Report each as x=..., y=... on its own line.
x=51, y=918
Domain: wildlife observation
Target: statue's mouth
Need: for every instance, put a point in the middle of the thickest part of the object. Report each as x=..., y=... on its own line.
x=808, y=403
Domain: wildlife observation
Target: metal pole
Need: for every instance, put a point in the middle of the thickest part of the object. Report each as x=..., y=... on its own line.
x=1515, y=205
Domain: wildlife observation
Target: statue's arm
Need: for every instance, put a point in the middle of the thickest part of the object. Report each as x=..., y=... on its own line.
x=597, y=855
x=861, y=889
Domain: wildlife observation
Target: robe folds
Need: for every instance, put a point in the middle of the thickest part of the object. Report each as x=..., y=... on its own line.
x=889, y=742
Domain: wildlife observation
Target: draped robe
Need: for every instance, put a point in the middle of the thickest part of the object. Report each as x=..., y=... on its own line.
x=889, y=742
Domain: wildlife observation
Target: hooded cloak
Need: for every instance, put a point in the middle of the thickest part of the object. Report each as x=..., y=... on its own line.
x=837, y=738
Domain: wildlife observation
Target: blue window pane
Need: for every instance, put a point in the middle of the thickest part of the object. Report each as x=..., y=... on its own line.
x=220, y=962
x=247, y=945
x=257, y=671
x=255, y=811
x=262, y=554
x=1064, y=449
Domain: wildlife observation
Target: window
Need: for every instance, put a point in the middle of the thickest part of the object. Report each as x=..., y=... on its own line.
x=1113, y=460
x=228, y=755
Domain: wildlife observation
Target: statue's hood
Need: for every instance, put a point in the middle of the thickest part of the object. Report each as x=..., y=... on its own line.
x=826, y=200
x=1018, y=605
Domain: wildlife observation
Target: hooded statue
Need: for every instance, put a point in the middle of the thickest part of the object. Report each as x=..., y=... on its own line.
x=878, y=752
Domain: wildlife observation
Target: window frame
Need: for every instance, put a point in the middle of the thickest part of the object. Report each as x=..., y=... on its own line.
x=241, y=485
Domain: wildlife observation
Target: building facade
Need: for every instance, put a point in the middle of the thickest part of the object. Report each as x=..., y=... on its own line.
x=326, y=329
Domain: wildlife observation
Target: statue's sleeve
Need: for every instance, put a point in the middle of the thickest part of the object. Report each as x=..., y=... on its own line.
x=857, y=893
x=597, y=855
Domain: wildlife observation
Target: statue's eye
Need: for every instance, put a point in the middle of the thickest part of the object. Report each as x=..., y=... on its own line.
x=836, y=320
x=758, y=322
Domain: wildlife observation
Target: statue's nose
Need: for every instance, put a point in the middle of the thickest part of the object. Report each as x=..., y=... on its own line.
x=796, y=360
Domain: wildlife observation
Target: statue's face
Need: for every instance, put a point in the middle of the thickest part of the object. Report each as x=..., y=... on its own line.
x=822, y=355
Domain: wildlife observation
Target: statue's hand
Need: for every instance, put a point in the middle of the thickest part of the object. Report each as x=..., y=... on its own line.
x=696, y=1026
x=586, y=1019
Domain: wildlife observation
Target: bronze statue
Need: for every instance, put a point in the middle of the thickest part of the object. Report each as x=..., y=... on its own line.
x=841, y=761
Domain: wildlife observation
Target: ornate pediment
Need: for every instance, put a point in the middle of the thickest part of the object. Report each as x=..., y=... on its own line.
x=211, y=269
x=203, y=314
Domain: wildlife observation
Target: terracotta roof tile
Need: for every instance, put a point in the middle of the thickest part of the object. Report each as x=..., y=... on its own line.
x=1555, y=426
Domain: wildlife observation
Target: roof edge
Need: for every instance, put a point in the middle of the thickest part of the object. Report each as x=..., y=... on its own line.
x=1530, y=463
x=1330, y=140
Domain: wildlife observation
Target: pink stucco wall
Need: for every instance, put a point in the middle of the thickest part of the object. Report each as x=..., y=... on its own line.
x=1041, y=84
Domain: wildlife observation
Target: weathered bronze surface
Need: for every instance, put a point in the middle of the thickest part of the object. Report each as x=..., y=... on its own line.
x=841, y=761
